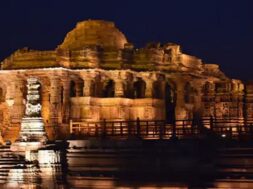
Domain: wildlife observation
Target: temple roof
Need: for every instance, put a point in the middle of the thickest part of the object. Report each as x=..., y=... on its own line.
x=94, y=33
x=99, y=44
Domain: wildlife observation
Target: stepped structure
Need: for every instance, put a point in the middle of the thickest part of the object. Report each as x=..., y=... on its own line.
x=32, y=133
x=97, y=74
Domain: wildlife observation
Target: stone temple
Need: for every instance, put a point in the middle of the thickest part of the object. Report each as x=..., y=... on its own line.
x=96, y=74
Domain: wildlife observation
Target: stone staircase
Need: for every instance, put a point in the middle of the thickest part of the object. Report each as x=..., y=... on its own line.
x=8, y=163
x=235, y=162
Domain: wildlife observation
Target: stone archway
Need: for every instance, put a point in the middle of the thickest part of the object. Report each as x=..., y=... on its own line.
x=109, y=89
x=72, y=89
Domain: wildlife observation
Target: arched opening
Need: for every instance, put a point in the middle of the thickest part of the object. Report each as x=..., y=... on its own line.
x=188, y=94
x=109, y=89
x=72, y=89
x=170, y=102
x=139, y=89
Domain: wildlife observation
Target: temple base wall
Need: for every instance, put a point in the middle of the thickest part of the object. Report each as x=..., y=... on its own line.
x=95, y=109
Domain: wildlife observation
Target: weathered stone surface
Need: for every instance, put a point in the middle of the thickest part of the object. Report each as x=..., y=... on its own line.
x=94, y=33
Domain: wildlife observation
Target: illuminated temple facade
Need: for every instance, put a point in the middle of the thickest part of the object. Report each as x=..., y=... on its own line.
x=96, y=74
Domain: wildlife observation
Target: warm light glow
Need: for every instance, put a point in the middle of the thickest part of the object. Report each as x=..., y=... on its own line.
x=10, y=102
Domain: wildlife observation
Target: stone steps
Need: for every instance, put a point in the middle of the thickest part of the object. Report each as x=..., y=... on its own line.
x=8, y=163
x=235, y=162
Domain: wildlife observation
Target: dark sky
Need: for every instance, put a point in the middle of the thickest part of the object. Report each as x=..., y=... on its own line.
x=217, y=31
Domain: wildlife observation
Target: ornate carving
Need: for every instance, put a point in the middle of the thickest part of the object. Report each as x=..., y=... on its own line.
x=33, y=107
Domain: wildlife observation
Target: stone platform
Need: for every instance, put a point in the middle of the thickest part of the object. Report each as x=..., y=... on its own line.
x=32, y=129
x=26, y=146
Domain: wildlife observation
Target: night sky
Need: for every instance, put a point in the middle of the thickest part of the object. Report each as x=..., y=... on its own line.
x=217, y=31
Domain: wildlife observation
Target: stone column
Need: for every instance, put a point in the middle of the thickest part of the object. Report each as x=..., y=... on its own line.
x=54, y=100
x=211, y=95
x=66, y=100
x=18, y=106
x=88, y=87
x=149, y=88
x=197, y=110
x=180, y=103
x=119, y=88
x=45, y=96
x=10, y=91
x=236, y=110
x=198, y=96
x=248, y=112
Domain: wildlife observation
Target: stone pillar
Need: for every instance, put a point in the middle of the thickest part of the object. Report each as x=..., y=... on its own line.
x=197, y=110
x=10, y=90
x=248, y=112
x=54, y=100
x=88, y=87
x=211, y=97
x=198, y=96
x=236, y=109
x=119, y=88
x=180, y=103
x=66, y=101
x=18, y=106
x=149, y=88
x=45, y=96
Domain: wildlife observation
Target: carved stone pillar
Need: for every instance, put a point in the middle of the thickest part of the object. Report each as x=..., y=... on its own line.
x=54, y=100
x=248, y=110
x=149, y=88
x=88, y=87
x=119, y=88
x=198, y=96
x=237, y=95
x=45, y=101
x=211, y=100
x=10, y=92
x=180, y=103
x=18, y=106
x=66, y=101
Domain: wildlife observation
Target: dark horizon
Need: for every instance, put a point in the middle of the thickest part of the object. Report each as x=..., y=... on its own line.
x=218, y=32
